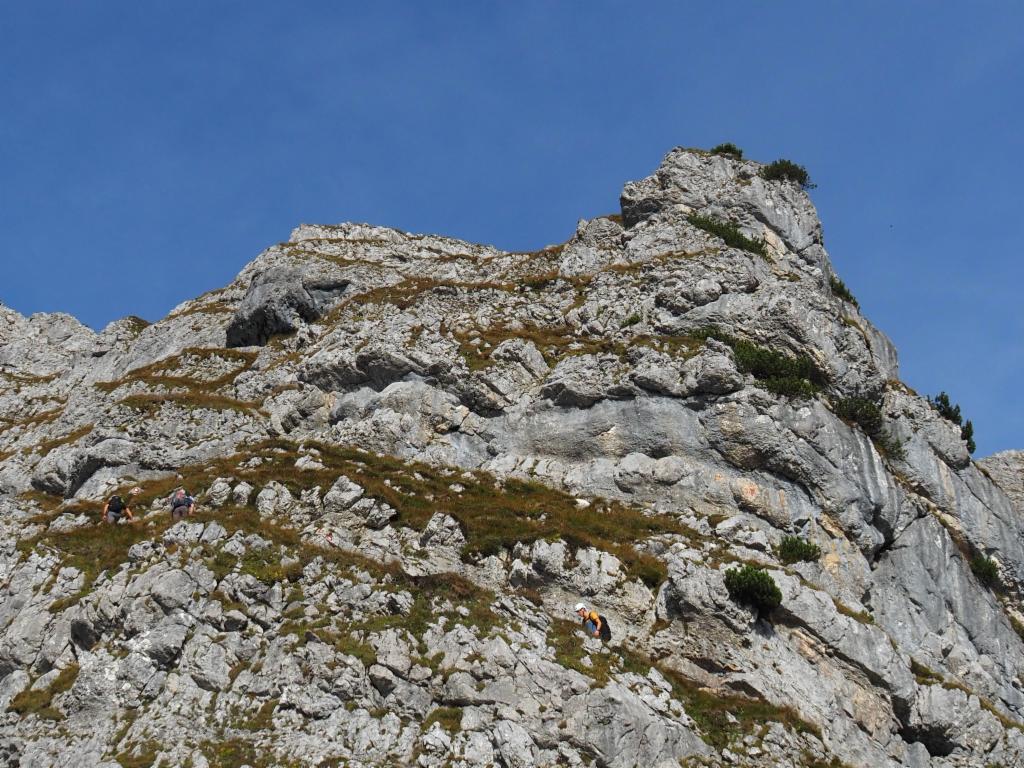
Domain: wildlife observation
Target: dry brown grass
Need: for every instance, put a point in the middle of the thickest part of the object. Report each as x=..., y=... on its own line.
x=40, y=702
x=493, y=515
x=157, y=374
x=48, y=445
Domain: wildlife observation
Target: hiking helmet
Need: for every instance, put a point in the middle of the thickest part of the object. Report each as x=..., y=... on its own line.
x=580, y=607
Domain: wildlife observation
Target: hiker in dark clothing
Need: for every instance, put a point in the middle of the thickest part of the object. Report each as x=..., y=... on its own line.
x=114, y=509
x=182, y=505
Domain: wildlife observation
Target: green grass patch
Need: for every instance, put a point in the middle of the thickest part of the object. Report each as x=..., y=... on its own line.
x=262, y=719
x=728, y=232
x=233, y=752
x=723, y=718
x=140, y=756
x=494, y=515
x=566, y=637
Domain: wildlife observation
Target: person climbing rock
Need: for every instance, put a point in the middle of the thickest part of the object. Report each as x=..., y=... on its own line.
x=182, y=505
x=594, y=624
x=114, y=509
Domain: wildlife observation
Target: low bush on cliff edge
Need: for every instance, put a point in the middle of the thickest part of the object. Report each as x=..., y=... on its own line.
x=729, y=149
x=839, y=289
x=787, y=170
x=951, y=412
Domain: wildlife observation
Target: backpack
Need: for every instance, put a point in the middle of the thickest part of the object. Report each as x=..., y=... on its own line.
x=115, y=504
x=606, y=631
x=180, y=499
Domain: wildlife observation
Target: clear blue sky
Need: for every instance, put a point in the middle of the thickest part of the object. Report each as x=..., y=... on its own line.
x=149, y=150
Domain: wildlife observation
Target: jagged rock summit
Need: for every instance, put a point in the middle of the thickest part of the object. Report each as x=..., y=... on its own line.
x=413, y=455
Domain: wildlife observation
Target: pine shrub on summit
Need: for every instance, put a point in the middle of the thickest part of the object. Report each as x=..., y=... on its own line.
x=787, y=170
x=729, y=149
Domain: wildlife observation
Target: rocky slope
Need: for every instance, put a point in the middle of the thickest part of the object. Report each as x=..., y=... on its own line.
x=414, y=454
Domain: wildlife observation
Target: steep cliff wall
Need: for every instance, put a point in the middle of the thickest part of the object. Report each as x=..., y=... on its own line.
x=413, y=455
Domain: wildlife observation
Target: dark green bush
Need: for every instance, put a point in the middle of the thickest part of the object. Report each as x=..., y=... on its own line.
x=754, y=587
x=839, y=289
x=863, y=411
x=967, y=435
x=951, y=412
x=793, y=387
x=795, y=377
x=787, y=170
x=766, y=363
x=778, y=372
x=986, y=570
x=946, y=409
x=728, y=148
x=729, y=233
x=793, y=549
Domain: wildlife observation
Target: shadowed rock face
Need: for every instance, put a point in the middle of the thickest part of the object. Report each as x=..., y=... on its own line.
x=279, y=302
x=413, y=455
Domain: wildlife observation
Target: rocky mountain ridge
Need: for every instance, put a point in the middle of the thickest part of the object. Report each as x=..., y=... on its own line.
x=414, y=454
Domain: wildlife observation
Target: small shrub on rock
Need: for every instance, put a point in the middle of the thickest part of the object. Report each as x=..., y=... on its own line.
x=795, y=377
x=729, y=233
x=754, y=587
x=862, y=411
x=839, y=289
x=787, y=170
x=891, y=447
x=986, y=570
x=793, y=549
x=728, y=148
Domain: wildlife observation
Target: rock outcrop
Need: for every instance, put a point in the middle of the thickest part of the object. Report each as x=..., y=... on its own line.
x=413, y=455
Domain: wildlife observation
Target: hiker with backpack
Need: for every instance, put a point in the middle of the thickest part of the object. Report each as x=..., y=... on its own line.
x=594, y=624
x=182, y=505
x=114, y=509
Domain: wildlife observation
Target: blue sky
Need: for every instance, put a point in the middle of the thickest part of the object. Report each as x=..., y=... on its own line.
x=149, y=150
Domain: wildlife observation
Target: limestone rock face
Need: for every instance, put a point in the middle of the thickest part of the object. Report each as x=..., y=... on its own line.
x=1007, y=470
x=413, y=455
